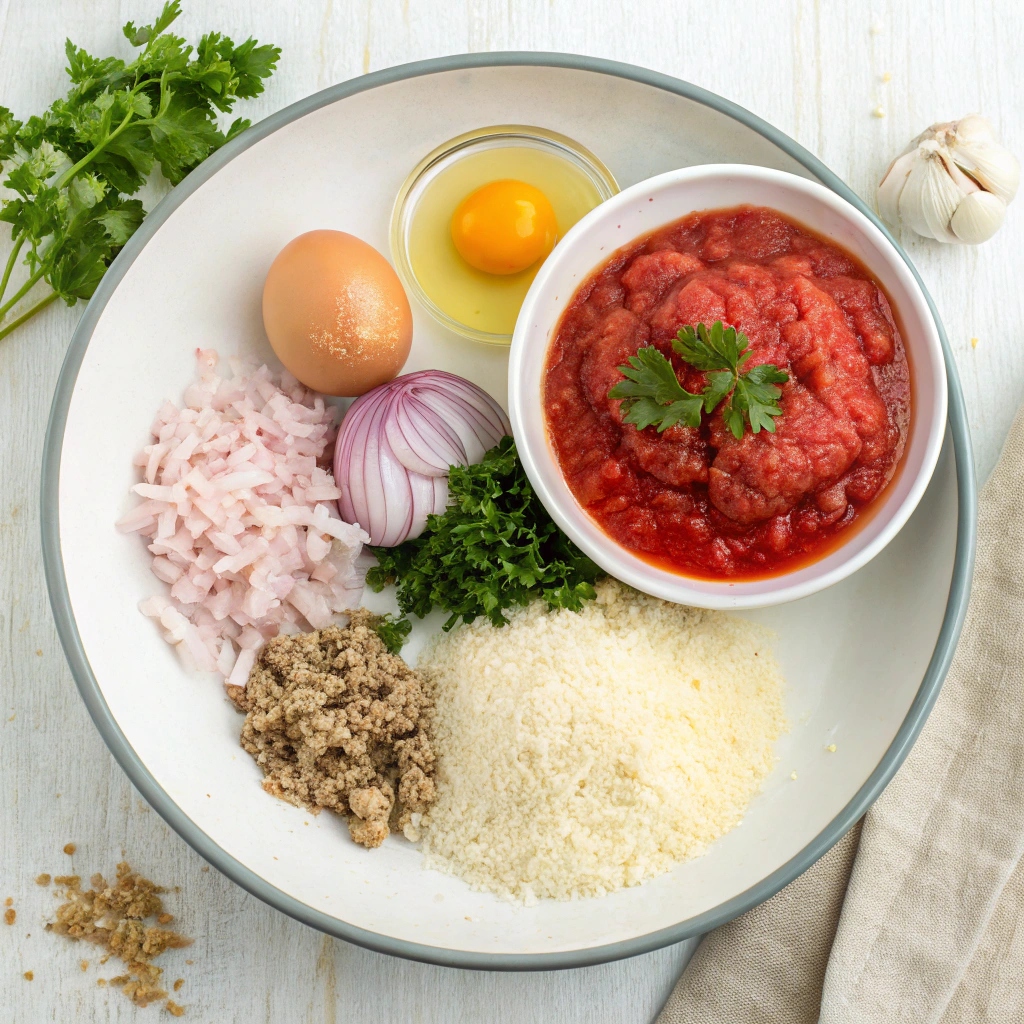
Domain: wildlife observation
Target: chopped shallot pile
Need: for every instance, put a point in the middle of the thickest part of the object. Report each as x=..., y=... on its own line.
x=242, y=518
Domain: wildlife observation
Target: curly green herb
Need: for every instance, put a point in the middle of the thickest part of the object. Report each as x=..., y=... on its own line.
x=393, y=632
x=74, y=167
x=494, y=547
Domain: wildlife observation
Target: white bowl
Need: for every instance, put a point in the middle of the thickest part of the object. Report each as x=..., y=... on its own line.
x=641, y=209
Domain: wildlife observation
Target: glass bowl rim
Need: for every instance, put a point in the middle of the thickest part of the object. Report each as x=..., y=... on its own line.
x=598, y=172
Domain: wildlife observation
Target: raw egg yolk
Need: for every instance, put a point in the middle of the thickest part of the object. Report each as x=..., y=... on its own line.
x=504, y=227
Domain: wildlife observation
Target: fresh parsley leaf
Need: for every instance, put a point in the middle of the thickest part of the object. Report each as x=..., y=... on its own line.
x=392, y=632
x=88, y=72
x=720, y=383
x=75, y=263
x=121, y=220
x=714, y=348
x=652, y=395
x=746, y=396
x=757, y=397
x=252, y=64
x=73, y=167
x=494, y=547
x=141, y=36
x=9, y=126
x=183, y=137
x=237, y=127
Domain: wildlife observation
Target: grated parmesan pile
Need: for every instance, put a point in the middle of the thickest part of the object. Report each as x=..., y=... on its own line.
x=240, y=511
x=582, y=752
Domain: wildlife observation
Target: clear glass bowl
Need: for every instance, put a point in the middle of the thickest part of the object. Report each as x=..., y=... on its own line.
x=442, y=159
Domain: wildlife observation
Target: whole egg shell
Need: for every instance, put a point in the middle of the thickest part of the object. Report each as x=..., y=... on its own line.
x=336, y=313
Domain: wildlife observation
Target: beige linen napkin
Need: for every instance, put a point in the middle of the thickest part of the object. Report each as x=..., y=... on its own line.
x=931, y=928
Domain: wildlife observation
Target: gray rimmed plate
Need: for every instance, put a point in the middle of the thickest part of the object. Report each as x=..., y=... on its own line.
x=864, y=659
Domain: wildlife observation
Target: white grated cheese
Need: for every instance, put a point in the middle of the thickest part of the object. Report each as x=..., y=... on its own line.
x=580, y=753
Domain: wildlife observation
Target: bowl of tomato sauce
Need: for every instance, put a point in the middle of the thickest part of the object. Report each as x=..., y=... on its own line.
x=727, y=388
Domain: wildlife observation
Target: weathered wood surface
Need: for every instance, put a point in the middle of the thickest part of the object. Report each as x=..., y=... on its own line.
x=815, y=69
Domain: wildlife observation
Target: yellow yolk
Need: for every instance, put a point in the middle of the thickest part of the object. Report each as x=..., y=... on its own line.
x=504, y=227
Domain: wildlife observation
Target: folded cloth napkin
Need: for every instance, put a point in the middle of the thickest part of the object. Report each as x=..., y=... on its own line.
x=928, y=926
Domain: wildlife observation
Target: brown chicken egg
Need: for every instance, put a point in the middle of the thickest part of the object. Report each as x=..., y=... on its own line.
x=336, y=313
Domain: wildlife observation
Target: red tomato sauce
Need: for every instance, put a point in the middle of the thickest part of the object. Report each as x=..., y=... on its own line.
x=695, y=499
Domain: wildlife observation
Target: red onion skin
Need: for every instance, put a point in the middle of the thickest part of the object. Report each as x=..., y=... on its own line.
x=352, y=504
x=397, y=443
x=429, y=446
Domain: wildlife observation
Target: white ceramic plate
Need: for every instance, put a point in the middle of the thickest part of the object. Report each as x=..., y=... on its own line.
x=864, y=659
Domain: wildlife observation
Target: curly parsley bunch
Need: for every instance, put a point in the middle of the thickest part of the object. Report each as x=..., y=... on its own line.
x=495, y=547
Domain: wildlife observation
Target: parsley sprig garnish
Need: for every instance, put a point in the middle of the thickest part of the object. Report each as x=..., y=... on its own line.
x=74, y=167
x=652, y=395
x=493, y=548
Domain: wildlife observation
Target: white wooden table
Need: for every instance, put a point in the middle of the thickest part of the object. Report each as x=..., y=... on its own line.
x=816, y=69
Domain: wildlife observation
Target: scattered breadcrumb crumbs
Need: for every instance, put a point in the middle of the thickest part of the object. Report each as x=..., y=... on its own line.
x=974, y=342
x=29, y=975
x=177, y=985
x=113, y=916
x=174, y=1009
x=10, y=915
x=43, y=879
x=336, y=721
x=84, y=964
x=190, y=962
x=831, y=748
x=165, y=919
x=102, y=982
x=69, y=848
x=793, y=776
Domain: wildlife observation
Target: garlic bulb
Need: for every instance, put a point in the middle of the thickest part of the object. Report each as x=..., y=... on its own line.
x=951, y=183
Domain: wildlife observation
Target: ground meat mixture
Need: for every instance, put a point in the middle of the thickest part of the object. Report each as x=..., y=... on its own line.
x=336, y=721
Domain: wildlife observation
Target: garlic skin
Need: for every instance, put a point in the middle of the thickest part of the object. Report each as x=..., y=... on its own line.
x=952, y=183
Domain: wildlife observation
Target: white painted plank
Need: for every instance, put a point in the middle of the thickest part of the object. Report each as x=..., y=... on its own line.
x=815, y=70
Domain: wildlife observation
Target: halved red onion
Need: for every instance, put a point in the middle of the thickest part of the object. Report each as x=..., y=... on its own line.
x=397, y=444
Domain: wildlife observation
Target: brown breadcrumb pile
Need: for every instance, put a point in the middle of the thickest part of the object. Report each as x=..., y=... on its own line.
x=114, y=916
x=336, y=721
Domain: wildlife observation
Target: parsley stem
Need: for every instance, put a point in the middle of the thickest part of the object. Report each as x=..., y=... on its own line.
x=20, y=293
x=66, y=177
x=37, y=308
x=20, y=241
